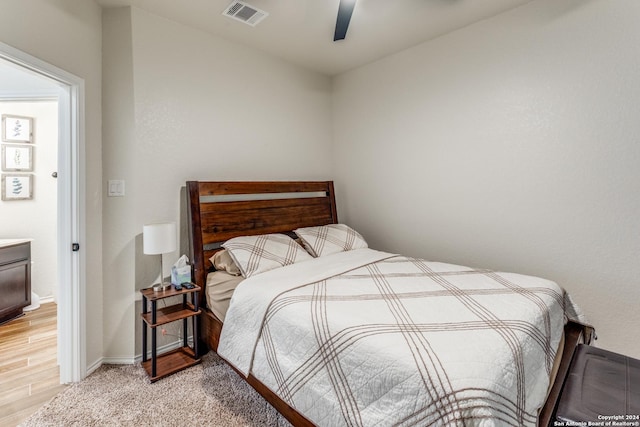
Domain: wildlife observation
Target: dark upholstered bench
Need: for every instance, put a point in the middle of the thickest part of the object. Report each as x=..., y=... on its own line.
x=602, y=387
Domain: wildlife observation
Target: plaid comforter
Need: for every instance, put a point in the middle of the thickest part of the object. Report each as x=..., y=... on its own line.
x=366, y=338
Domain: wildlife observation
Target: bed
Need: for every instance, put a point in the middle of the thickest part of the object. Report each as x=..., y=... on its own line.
x=323, y=365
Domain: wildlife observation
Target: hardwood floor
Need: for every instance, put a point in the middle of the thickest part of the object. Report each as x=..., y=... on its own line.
x=29, y=373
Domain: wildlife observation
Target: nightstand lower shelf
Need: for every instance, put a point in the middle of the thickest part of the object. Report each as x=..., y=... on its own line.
x=171, y=362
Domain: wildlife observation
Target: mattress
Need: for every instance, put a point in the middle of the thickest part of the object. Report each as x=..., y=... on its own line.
x=220, y=287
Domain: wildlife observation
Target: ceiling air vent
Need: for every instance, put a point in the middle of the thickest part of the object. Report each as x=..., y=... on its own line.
x=245, y=13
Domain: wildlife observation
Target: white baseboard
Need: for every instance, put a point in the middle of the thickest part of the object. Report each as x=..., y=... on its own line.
x=44, y=300
x=160, y=350
x=137, y=358
x=95, y=365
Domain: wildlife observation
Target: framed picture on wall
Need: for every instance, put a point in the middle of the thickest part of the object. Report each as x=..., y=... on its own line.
x=17, y=158
x=17, y=128
x=17, y=187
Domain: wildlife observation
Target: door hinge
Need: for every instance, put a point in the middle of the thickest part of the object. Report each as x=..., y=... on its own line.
x=75, y=247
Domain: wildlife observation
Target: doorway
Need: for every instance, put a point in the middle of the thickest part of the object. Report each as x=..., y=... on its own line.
x=71, y=277
x=31, y=163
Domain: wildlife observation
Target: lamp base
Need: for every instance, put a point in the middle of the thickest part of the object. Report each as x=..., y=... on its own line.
x=161, y=287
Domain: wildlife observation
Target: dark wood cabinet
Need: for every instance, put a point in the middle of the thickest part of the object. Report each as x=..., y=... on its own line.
x=15, y=277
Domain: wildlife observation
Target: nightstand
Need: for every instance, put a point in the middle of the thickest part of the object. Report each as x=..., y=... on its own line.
x=160, y=366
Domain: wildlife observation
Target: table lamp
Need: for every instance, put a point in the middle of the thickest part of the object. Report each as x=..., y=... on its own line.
x=159, y=239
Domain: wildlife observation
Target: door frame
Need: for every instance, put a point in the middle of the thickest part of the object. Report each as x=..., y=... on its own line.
x=72, y=352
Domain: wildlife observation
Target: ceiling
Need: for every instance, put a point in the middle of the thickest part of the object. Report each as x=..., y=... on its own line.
x=301, y=31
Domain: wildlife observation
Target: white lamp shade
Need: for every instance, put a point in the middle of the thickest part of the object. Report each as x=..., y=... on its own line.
x=159, y=238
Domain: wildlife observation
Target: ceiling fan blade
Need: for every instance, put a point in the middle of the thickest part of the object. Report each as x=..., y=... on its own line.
x=345, y=10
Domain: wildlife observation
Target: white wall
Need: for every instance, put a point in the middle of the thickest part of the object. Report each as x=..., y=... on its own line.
x=37, y=218
x=183, y=105
x=510, y=144
x=67, y=34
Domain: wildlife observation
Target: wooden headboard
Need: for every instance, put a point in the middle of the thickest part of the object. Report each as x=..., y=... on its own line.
x=220, y=210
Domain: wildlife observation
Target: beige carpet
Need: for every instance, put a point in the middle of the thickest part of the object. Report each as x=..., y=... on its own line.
x=209, y=394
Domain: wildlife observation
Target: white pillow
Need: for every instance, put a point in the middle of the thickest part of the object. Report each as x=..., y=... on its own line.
x=329, y=239
x=222, y=261
x=257, y=254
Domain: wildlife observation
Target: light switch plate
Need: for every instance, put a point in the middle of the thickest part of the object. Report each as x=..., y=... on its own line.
x=115, y=188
